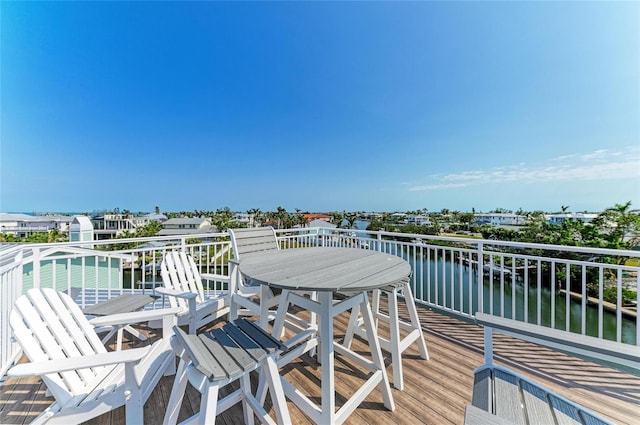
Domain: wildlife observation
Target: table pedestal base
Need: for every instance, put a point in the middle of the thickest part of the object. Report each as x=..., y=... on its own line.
x=326, y=310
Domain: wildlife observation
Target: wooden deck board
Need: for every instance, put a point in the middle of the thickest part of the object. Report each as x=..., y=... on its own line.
x=436, y=391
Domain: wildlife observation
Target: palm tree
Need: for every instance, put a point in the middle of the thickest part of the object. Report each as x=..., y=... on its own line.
x=351, y=219
x=255, y=216
x=621, y=221
x=336, y=218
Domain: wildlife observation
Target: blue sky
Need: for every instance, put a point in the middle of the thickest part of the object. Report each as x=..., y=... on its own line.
x=322, y=106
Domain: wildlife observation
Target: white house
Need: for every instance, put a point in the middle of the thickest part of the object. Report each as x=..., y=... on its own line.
x=23, y=225
x=185, y=226
x=500, y=219
x=420, y=220
x=562, y=217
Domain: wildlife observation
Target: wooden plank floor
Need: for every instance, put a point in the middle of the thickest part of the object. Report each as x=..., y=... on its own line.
x=436, y=390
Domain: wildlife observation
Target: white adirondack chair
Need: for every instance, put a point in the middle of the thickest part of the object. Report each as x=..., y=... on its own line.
x=85, y=379
x=183, y=285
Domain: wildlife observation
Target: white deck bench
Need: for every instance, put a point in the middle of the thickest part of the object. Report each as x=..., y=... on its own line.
x=502, y=396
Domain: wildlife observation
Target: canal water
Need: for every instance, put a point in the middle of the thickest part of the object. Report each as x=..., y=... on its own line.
x=435, y=276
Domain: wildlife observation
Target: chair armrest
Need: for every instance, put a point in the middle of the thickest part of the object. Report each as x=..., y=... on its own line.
x=214, y=277
x=134, y=317
x=75, y=363
x=174, y=293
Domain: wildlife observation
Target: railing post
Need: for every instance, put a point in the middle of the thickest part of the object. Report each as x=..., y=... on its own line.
x=480, y=278
x=488, y=345
x=379, y=241
x=36, y=267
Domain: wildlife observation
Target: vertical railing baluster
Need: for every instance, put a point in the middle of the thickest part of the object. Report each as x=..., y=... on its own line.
x=583, y=306
x=480, y=277
x=600, y=300
x=553, y=294
x=539, y=294
x=568, y=299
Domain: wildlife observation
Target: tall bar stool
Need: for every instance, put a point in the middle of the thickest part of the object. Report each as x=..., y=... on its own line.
x=214, y=359
x=396, y=344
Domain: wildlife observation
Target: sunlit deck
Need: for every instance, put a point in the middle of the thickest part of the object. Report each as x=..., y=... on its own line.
x=436, y=390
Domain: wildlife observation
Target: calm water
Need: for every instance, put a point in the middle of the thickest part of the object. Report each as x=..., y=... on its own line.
x=437, y=289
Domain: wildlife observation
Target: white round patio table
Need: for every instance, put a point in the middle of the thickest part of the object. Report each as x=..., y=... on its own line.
x=328, y=271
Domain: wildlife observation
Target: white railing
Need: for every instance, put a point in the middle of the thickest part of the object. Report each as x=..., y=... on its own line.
x=10, y=290
x=548, y=285
x=459, y=276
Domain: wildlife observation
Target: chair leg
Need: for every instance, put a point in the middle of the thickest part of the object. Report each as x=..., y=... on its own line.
x=354, y=320
x=209, y=404
x=415, y=320
x=134, y=407
x=245, y=388
x=394, y=328
x=177, y=394
x=277, y=392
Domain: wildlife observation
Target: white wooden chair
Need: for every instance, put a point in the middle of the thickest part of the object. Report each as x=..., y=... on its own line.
x=259, y=300
x=183, y=285
x=85, y=379
x=396, y=344
x=215, y=359
x=248, y=299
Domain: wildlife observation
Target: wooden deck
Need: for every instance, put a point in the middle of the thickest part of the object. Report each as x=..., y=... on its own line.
x=436, y=390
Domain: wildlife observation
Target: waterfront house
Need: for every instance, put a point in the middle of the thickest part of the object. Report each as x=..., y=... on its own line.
x=419, y=220
x=23, y=225
x=317, y=216
x=500, y=219
x=560, y=218
x=111, y=225
x=186, y=226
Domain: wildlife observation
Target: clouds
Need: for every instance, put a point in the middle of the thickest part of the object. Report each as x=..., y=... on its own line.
x=597, y=165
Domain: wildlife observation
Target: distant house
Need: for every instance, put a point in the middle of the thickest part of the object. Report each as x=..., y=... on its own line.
x=81, y=230
x=186, y=226
x=243, y=218
x=420, y=220
x=500, y=219
x=143, y=220
x=23, y=225
x=318, y=222
x=317, y=216
x=397, y=216
x=562, y=217
x=111, y=225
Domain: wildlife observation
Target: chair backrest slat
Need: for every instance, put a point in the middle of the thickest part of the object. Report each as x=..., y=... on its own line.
x=48, y=325
x=249, y=241
x=180, y=272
